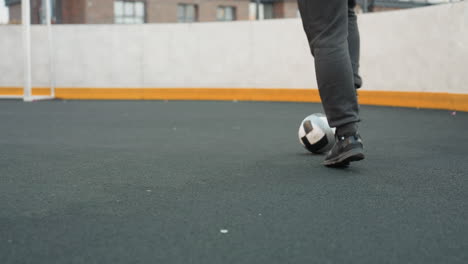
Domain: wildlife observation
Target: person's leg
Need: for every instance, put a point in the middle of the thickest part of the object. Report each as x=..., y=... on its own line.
x=354, y=42
x=326, y=27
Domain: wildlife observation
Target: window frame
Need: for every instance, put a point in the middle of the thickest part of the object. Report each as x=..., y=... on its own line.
x=184, y=17
x=123, y=18
x=224, y=8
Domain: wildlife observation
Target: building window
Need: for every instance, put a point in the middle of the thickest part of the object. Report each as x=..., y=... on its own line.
x=265, y=11
x=268, y=12
x=129, y=12
x=226, y=13
x=187, y=13
x=54, y=15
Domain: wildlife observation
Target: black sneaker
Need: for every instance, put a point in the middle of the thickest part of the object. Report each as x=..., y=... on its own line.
x=345, y=150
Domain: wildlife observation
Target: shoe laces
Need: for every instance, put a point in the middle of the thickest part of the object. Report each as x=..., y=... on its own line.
x=341, y=138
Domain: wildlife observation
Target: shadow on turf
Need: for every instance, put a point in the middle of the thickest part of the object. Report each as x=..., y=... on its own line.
x=347, y=167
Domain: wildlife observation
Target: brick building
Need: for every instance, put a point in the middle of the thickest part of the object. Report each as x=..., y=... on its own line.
x=276, y=9
x=152, y=11
x=388, y=5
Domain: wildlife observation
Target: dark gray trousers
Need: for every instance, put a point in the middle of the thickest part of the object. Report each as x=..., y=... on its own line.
x=333, y=35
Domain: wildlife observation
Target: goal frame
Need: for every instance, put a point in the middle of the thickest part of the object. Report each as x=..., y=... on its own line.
x=27, y=64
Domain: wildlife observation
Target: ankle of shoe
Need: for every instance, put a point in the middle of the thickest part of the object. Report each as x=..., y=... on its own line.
x=347, y=130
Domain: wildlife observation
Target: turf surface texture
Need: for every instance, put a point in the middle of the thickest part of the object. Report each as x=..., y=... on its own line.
x=226, y=182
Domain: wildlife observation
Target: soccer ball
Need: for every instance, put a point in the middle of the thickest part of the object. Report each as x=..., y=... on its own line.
x=315, y=134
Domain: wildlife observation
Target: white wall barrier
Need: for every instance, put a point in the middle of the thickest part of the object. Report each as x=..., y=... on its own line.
x=424, y=49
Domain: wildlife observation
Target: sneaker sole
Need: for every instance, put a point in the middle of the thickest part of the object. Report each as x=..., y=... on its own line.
x=344, y=159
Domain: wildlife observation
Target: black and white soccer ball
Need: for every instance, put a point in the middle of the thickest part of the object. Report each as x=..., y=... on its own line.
x=315, y=134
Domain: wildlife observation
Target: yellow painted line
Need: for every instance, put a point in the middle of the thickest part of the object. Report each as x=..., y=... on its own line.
x=288, y=95
x=448, y=101
x=9, y=91
x=16, y=91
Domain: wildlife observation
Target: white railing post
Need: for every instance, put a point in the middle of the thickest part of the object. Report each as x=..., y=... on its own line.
x=26, y=22
x=51, y=47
